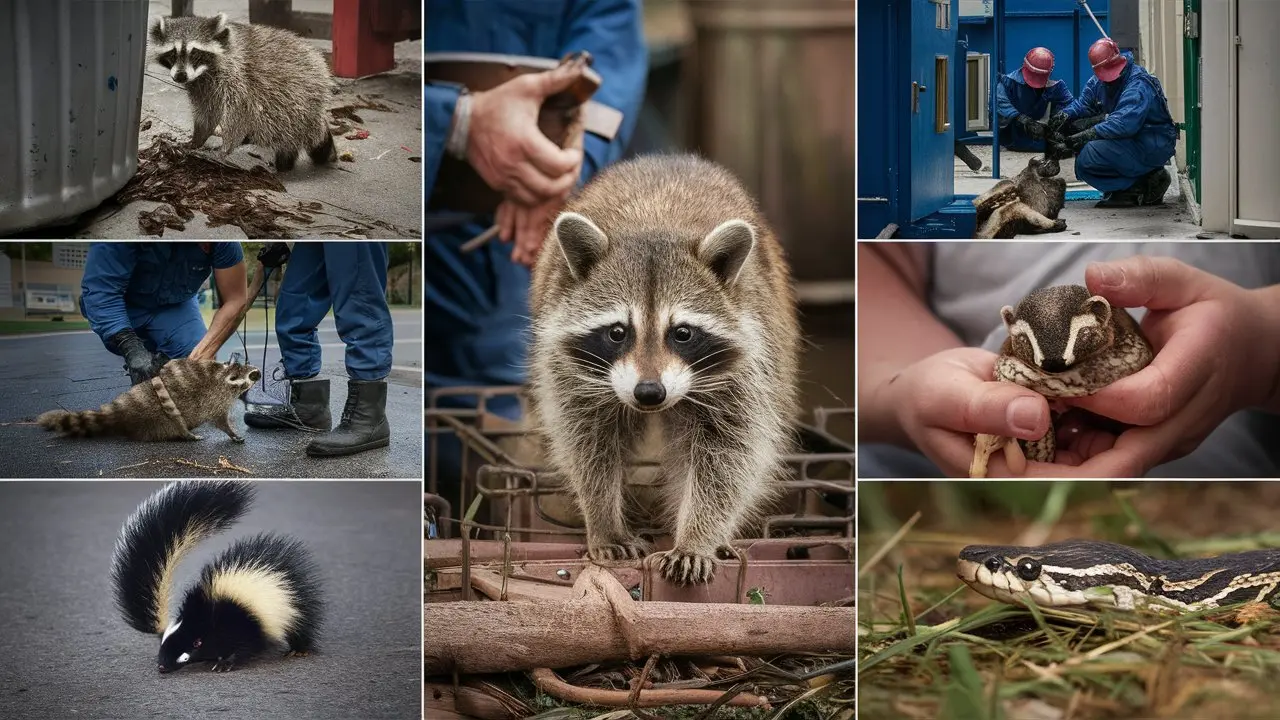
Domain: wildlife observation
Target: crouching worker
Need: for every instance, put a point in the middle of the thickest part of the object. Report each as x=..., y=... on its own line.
x=140, y=299
x=1024, y=99
x=350, y=278
x=1121, y=128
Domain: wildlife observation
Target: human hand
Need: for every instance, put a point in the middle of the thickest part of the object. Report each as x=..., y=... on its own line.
x=944, y=400
x=507, y=149
x=527, y=227
x=1033, y=128
x=1057, y=121
x=1078, y=141
x=1217, y=351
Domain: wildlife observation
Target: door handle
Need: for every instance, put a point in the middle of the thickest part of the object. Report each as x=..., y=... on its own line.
x=916, y=89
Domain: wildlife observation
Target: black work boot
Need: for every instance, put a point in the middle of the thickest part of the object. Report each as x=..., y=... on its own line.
x=1154, y=185
x=364, y=422
x=1126, y=198
x=307, y=409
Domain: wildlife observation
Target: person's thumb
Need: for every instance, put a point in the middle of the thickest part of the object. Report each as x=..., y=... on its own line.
x=557, y=80
x=995, y=408
x=1158, y=283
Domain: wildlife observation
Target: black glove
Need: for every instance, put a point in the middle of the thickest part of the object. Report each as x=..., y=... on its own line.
x=138, y=360
x=1085, y=123
x=1057, y=121
x=1077, y=141
x=273, y=255
x=1031, y=127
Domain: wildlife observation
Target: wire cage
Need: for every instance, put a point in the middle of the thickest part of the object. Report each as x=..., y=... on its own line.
x=507, y=505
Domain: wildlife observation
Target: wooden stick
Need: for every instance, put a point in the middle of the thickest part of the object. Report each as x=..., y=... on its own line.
x=602, y=623
x=480, y=239
x=548, y=682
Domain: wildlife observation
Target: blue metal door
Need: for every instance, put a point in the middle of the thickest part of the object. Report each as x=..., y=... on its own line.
x=930, y=92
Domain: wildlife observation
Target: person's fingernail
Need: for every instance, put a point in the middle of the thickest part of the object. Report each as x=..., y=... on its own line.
x=1110, y=275
x=1023, y=414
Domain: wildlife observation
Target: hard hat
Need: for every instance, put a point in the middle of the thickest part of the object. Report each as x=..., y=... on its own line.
x=1107, y=62
x=1037, y=66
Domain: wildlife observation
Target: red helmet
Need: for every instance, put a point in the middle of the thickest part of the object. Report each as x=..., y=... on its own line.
x=1037, y=66
x=1106, y=60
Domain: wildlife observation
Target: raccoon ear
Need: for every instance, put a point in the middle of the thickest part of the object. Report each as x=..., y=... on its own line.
x=582, y=243
x=220, y=29
x=1101, y=309
x=726, y=248
x=1006, y=314
x=157, y=31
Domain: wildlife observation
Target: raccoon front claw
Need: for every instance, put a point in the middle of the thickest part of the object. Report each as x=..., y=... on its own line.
x=685, y=568
x=626, y=550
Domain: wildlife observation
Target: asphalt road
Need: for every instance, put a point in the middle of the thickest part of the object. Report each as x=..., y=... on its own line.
x=66, y=653
x=74, y=371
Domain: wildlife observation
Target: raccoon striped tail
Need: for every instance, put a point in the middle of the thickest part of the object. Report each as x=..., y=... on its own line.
x=159, y=533
x=85, y=423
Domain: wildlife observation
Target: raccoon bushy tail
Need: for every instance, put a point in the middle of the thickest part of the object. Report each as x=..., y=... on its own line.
x=157, y=536
x=84, y=423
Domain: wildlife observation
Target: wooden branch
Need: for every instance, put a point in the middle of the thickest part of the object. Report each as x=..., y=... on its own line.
x=602, y=623
x=548, y=682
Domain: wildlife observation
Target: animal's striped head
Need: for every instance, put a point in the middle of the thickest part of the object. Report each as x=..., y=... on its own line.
x=650, y=321
x=239, y=377
x=1056, y=327
x=190, y=47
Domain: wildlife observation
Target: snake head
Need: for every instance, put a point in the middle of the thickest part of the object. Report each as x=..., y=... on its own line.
x=1056, y=327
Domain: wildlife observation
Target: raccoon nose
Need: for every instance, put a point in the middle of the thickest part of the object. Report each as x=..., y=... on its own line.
x=649, y=393
x=1054, y=365
x=180, y=76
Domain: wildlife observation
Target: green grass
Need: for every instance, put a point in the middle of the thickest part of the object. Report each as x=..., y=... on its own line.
x=23, y=327
x=929, y=647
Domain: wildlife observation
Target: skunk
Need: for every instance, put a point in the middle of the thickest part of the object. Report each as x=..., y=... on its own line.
x=261, y=591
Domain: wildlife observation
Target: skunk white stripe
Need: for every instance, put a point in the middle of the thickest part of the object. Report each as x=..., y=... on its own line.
x=169, y=631
x=263, y=592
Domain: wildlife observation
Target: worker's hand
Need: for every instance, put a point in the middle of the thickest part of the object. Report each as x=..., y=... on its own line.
x=527, y=227
x=942, y=401
x=1078, y=141
x=505, y=146
x=273, y=255
x=1057, y=121
x=138, y=360
x=1032, y=128
x=1217, y=351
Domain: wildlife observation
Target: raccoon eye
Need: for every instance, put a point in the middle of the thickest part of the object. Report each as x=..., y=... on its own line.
x=617, y=333
x=166, y=59
x=682, y=334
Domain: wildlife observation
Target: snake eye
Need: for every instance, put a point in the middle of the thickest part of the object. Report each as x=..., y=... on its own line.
x=1028, y=569
x=993, y=564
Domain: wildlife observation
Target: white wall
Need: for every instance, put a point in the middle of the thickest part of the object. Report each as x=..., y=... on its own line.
x=1216, y=160
x=1160, y=27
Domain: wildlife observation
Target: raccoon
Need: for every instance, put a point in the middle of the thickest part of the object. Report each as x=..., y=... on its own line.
x=263, y=85
x=1026, y=205
x=662, y=302
x=184, y=395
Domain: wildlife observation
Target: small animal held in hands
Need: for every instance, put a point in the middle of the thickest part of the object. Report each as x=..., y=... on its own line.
x=662, y=301
x=183, y=396
x=262, y=85
x=1063, y=343
x=1026, y=205
x=261, y=591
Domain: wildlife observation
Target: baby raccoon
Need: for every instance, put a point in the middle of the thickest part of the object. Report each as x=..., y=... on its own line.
x=1058, y=328
x=662, y=297
x=186, y=394
x=263, y=85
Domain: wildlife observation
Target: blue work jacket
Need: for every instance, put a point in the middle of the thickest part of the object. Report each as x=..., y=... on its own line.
x=118, y=276
x=1135, y=105
x=1015, y=97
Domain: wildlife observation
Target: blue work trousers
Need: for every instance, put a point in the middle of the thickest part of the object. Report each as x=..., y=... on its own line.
x=350, y=277
x=1115, y=165
x=174, y=330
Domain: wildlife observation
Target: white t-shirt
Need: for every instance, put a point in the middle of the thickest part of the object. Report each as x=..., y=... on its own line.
x=971, y=281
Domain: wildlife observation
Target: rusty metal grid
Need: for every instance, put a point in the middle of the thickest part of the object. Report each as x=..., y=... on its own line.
x=498, y=476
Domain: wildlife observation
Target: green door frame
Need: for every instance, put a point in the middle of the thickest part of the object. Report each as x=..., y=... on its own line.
x=1191, y=82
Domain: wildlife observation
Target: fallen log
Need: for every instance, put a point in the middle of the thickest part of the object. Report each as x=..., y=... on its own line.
x=601, y=623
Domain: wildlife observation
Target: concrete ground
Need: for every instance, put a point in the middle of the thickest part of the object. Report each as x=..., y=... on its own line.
x=377, y=195
x=73, y=371
x=1171, y=220
x=67, y=652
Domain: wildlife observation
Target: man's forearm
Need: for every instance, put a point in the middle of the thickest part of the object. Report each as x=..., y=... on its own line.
x=221, y=327
x=1269, y=308
x=895, y=329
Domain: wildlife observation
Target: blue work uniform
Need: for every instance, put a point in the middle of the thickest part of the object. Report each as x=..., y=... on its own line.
x=1138, y=136
x=1015, y=97
x=351, y=278
x=476, y=304
x=151, y=288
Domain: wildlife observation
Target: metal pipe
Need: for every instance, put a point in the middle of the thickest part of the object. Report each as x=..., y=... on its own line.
x=1085, y=5
x=997, y=69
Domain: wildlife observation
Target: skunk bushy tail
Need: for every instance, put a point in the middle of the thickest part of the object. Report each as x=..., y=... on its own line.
x=157, y=536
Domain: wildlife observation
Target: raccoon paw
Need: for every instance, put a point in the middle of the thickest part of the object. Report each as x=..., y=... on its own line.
x=685, y=568
x=626, y=550
x=237, y=438
x=1059, y=226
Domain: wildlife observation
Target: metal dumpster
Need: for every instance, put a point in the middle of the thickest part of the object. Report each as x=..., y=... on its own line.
x=70, y=103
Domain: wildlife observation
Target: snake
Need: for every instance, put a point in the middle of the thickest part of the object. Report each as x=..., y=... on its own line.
x=1106, y=575
x=1050, y=314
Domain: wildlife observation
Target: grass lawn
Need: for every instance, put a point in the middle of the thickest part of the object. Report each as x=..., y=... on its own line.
x=23, y=327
